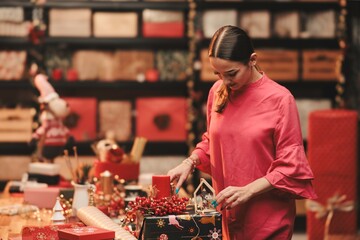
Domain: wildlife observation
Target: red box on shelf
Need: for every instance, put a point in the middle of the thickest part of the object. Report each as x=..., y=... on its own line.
x=82, y=118
x=86, y=233
x=163, y=29
x=161, y=119
x=127, y=171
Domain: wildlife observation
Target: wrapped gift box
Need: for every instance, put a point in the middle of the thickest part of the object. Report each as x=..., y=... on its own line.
x=82, y=118
x=185, y=226
x=320, y=24
x=70, y=22
x=212, y=20
x=115, y=24
x=115, y=116
x=86, y=233
x=127, y=171
x=46, y=232
x=287, y=24
x=161, y=23
x=332, y=153
x=256, y=23
x=41, y=197
x=161, y=119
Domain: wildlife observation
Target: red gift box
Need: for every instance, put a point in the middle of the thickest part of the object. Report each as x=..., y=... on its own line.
x=127, y=171
x=332, y=154
x=82, y=118
x=163, y=29
x=47, y=232
x=161, y=119
x=85, y=233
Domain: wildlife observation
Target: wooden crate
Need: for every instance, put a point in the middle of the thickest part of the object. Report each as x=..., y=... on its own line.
x=278, y=64
x=16, y=124
x=321, y=64
x=207, y=73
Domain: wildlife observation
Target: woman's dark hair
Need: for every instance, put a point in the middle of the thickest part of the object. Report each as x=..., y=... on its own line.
x=229, y=43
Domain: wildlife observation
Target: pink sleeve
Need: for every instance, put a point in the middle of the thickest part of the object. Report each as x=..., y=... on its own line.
x=290, y=171
x=202, y=148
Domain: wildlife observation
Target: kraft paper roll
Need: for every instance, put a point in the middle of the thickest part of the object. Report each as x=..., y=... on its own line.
x=92, y=216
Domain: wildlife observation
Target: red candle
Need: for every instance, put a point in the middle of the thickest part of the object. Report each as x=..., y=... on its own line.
x=161, y=184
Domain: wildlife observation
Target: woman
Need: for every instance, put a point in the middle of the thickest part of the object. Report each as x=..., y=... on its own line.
x=253, y=146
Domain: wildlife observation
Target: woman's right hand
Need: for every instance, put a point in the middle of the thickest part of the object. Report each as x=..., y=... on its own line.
x=180, y=173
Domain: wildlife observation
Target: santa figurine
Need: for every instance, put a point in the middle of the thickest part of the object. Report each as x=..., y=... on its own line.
x=52, y=137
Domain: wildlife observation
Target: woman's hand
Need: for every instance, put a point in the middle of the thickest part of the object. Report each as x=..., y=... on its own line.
x=234, y=196
x=180, y=174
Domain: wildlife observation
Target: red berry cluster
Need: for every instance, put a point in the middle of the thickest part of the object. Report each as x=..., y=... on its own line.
x=160, y=207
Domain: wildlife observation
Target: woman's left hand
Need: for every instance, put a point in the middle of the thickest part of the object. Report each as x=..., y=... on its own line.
x=233, y=196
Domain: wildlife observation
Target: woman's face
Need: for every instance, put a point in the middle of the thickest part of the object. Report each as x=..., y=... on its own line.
x=234, y=74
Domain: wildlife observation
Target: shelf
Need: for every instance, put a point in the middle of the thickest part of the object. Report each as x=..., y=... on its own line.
x=138, y=43
x=272, y=6
x=98, y=5
x=300, y=89
x=14, y=41
x=84, y=148
x=107, y=90
x=290, y=43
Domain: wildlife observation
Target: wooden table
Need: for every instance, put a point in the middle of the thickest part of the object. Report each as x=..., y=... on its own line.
x=11, y=226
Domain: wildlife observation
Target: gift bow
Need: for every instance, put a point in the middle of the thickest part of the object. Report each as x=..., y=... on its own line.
x=334, y=203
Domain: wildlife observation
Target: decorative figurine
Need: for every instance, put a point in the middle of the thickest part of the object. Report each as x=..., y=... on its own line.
x=52, y=137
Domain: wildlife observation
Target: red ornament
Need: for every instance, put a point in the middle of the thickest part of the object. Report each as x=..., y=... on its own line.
x=71, y=75
x=56, y=74
x=152, y=75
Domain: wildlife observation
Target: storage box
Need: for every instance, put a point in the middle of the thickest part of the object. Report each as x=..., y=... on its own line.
x=16, y=124
x=115, y=24
x=70, y=22
x=86, y=233
x=162, y=119
x=41, y=197
x=212, y=20
x=161, y=23
x=185, y=226
x=82, y=118
x=279, y=64
x=115, y=116
x=321, y=64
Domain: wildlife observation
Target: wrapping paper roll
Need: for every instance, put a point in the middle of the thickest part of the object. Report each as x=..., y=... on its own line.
x=92, y=216
x=332, y=153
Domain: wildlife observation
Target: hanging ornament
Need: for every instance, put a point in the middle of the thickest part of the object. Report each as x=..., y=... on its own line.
x=342, y=41
x=38, y=26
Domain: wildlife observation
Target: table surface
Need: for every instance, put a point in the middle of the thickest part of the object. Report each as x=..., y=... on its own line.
x=11, y=226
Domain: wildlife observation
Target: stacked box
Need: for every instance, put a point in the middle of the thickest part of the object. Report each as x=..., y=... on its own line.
x=207, y=72
x=332, y=153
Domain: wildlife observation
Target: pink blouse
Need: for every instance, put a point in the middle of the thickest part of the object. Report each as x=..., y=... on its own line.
x=257, y=135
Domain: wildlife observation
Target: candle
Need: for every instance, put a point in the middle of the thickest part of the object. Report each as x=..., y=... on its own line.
x=161, y=184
